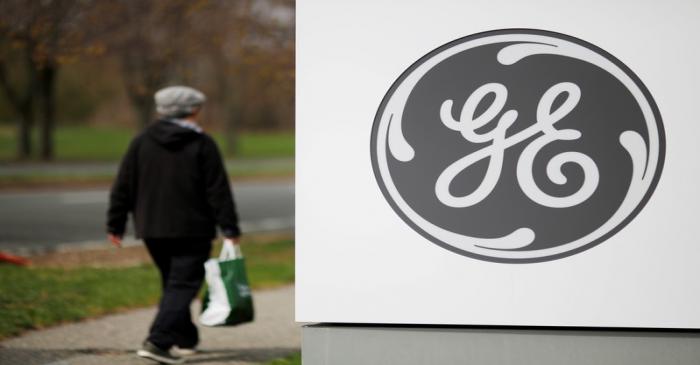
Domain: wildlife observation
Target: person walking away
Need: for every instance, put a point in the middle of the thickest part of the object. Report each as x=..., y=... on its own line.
x=173, y=181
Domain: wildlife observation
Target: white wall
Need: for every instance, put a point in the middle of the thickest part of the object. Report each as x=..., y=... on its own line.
x=357, y=261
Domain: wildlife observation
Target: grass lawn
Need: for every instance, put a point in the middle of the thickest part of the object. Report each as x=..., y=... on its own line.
x=82, y=143
x=36, y=297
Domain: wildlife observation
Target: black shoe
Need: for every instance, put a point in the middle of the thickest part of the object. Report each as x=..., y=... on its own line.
x=153, y=352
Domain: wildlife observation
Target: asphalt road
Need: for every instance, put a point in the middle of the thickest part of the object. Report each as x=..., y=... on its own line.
x=36, y=221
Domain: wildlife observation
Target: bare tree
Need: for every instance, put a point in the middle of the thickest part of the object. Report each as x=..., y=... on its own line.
x=253, y=58
x=154, y=46
x=20, y=92
x=241, y=53
x=236, y=21
x=18, y=54
x=162, y=42
x=49, y=33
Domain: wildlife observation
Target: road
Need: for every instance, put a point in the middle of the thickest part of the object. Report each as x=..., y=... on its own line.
x=36, y=221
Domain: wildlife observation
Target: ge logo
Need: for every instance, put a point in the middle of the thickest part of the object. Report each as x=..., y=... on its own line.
x=517, y=146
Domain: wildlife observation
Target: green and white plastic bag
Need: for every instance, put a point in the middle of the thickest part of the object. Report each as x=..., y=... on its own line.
x=227, y=300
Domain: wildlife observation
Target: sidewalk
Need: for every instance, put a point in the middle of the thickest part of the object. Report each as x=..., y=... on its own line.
x=113, y=339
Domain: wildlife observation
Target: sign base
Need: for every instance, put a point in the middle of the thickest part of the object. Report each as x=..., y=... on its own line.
x=335, y=344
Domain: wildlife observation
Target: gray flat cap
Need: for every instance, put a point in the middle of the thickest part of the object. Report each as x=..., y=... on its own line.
x=176, y=101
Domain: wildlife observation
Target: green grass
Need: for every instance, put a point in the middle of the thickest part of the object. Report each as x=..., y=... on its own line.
x=82, y=143
x=35, y=298
x=261, y=145
x=294, y=359
x=236, y=169
x=38, y=297
x=268, y=264
x=260, y=155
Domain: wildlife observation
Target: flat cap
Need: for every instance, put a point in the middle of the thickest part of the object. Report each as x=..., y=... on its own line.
x=176, y=101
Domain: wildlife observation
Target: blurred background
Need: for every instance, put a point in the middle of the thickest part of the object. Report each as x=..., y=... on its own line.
x=77, y=79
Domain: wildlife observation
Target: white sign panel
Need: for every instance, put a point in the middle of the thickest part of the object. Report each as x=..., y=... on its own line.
x=498, y=163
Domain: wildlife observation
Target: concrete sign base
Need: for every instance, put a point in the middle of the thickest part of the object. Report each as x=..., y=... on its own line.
x=324, y=344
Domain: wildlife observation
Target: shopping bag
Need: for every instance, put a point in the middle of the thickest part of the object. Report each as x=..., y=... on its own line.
x=227, y=300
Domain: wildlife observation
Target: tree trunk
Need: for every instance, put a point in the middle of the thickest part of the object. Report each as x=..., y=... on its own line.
x=231, y=121
x=47, y=107
x=231, y=112
x=22, y=101
x=144, y=109
x=24, y=133
x=141, y=82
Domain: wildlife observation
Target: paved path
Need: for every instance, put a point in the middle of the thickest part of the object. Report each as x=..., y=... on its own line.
x=113, y=339
x=35, y=222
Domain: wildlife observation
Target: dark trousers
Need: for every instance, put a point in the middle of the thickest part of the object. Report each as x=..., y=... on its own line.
x=181, y=266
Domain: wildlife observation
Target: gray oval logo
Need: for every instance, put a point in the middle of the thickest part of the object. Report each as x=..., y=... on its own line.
x=517, y=146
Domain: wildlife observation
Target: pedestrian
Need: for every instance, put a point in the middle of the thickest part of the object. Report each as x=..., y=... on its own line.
x=173, y=181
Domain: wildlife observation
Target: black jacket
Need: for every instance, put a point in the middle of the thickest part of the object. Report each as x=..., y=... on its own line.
x=173, y=180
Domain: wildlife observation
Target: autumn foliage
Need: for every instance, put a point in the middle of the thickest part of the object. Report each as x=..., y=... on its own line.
x=240, y=53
